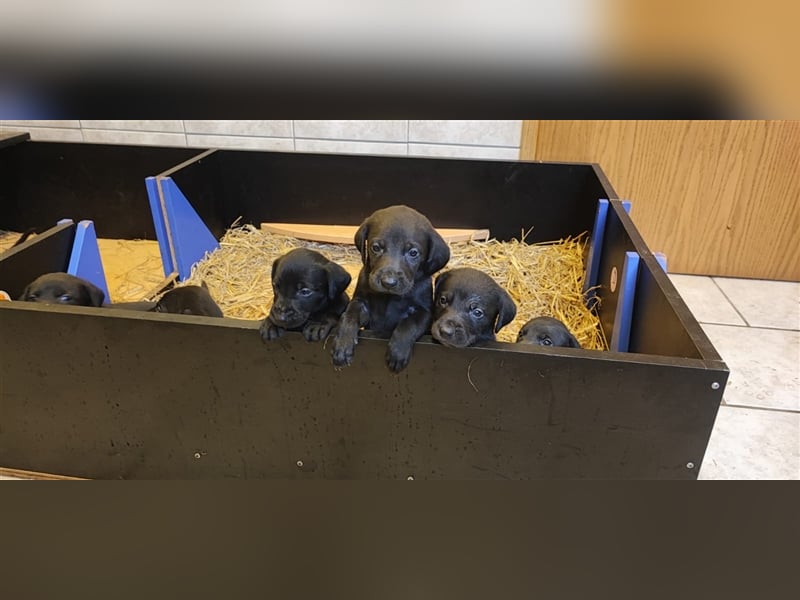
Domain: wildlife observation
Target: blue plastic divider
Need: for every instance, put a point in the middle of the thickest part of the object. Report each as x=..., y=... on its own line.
x=620, y=337
x=160, y=226
x=183, y=237
x=595, y=243
x=85, y=261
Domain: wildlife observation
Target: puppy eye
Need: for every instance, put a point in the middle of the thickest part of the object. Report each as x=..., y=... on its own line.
x=443, y=301
x=546, y=341
x=64, y=298
x=413, y=253
x=305, y=292
x=376, y=247
x=477, y=313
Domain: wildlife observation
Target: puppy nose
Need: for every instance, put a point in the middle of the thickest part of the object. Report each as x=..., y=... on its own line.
x=388, y=281
x=446, y=329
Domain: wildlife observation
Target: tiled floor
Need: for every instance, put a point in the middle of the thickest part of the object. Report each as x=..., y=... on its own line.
x=755, y=326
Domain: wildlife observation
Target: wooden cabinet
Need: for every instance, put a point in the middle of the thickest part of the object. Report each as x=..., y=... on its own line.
x=717, y=197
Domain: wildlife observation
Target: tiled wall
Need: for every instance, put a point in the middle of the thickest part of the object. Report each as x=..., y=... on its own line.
x=464, y=139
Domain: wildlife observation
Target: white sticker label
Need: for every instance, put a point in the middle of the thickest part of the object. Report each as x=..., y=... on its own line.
x=613, y=280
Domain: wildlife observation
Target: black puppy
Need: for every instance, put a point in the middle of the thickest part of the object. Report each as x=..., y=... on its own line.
x=400, y=250
x=309, y=295
x=188, y=300
x=469, y=307
x=62, y=288
x=546, y=331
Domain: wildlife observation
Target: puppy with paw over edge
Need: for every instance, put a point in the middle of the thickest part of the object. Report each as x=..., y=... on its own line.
x=309, y=295
x=400, y=251
x=469, y=308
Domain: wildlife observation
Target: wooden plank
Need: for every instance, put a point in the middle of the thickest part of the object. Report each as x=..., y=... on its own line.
x=717, y=197
x=344, y=234
x=20, y=474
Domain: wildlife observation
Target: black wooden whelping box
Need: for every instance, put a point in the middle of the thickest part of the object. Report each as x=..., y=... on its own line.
x=106, y=393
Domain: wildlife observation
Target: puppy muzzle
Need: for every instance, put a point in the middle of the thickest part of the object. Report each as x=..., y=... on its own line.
x=286, y=317
x=387, y=281
x=451, y=333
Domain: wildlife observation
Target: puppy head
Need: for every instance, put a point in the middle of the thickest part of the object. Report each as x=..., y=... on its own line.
x=399, y=247
x=304, y=282
x=62, y=288
x=469, y=307
x=546, y=331
x=189, y=300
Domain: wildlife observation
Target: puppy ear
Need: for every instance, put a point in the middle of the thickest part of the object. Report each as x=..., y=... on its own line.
x=439, y=282
x=438, y=253
x=360, y=240
x=275, y=264
x=338, y=280
x=203, y=285
x=25, y=293
x=96, y=295
x=508, y=310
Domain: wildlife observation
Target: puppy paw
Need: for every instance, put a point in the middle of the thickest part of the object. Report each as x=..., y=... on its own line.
x=315, y=331
x=269, y=331
x=397, y=357
x=343, y=349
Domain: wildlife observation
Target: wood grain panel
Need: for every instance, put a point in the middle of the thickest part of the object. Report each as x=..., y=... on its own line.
x=718, y=197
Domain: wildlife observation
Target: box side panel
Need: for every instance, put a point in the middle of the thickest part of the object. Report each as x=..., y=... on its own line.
x=43, y=182
x=662, y=323
x=46, y=253
x=660, y=318
x=506, y=197
x=88, y=393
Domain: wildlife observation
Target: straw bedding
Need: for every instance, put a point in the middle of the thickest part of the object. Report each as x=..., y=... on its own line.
x=544, y=279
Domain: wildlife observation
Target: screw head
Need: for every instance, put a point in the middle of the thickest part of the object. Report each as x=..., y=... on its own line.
x=690, y=465
x=410, y=478
x=300, y=463
x=715, y=386
x=197, y=455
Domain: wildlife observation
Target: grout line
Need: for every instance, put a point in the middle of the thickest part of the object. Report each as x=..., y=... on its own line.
x=326, y=139
x=294, y=139
x=185, y=137
x=249, y=137
x=408, y=137
x=409, y=143
x=765, y=409
x=729, y=301
x=747, y=326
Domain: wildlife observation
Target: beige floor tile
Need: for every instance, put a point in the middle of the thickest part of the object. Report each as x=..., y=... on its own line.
x=764, y=303
x=764, y=365
x=753, y=444
x=706, y=301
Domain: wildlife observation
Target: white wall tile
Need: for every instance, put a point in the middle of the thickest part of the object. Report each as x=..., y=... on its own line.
x=490, y=133
x=241, y=142
x=479, y=152
x=255, y=128
x=152, y=125
x=65, y=124
x=144, y=138
x=335, y=146
x=48, y=134
x=377, y=131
